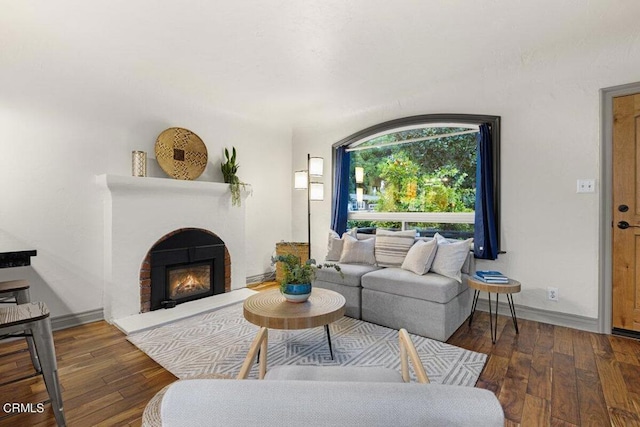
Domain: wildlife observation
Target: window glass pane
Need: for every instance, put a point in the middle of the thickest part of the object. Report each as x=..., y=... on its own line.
x=436, y=175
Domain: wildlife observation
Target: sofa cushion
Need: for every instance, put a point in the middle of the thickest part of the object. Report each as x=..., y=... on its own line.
x=450, y=257
x=357, y=251
x=336, y=243
x=420, y=257
x=430, y=287
x=334, y=373
x=392, y=246
x=351, y=274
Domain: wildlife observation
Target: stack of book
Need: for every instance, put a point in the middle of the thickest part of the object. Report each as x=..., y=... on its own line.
x=489, y=276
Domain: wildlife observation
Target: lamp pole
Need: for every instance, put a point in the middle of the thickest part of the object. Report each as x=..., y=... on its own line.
x=315, y=190
x=309, y=204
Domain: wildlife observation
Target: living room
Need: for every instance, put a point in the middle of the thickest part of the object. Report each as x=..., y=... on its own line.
x=85, y=84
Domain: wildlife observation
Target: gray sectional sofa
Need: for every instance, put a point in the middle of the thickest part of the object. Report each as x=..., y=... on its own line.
x=430, y=305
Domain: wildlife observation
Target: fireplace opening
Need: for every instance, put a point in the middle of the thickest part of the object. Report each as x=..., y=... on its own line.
x=186, y=265
x=189, y=280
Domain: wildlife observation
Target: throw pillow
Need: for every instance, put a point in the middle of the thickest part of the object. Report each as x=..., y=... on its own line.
x=420, y=256
x=336, y=243
x=392, y=246
x=357, y=251
x=450, y=257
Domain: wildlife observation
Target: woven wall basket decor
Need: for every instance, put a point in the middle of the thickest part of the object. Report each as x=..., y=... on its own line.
x=181, y=153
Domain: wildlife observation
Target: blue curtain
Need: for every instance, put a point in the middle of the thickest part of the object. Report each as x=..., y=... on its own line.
x=485, y=236
x=340, y=198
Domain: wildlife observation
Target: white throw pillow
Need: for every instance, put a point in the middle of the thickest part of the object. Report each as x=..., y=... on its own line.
x=357, y=251
x=336, y=243
x=450, y=257
x=392, y=246
x=420, y=257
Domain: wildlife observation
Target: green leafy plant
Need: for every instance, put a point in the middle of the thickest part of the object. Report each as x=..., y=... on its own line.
x=296, y=272
x=229, y=169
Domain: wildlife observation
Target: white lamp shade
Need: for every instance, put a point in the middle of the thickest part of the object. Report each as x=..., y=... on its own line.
x=359, y=175
x=316, y=192
x=300, y=180
x=316, y=166
x=359, y=194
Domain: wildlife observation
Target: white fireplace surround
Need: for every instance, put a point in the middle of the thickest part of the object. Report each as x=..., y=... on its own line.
x=139, y=211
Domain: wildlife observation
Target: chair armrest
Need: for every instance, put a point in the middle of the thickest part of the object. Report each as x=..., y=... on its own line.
x=408, y=351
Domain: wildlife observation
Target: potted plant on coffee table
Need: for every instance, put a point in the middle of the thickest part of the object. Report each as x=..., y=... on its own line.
x=297, y=276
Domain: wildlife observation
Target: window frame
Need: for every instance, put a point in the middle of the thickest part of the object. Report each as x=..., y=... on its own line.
x=426, y=119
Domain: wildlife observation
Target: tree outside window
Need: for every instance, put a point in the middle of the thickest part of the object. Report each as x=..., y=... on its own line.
x=430, y=169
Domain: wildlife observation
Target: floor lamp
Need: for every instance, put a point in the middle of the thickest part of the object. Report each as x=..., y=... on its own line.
x=315, y=190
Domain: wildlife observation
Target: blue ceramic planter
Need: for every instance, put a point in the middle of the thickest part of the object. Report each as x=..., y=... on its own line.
x=296, y=292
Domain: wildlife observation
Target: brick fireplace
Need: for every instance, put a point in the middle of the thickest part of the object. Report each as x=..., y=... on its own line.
x=142, y=212
x=182, y=266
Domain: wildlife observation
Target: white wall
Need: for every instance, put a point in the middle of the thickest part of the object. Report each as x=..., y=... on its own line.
x=50, y=153
x=549, y=104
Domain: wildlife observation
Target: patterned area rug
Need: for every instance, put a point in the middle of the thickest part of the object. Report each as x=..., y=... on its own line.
x=218, y=341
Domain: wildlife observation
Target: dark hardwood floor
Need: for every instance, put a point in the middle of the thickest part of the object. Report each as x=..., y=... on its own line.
x=555, y=376
x=105, y=380
x=546, y=375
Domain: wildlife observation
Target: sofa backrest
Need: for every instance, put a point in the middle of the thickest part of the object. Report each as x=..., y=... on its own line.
x=323, y=403
x=468, y=266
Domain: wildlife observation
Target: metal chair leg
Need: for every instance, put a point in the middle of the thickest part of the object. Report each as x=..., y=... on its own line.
x=43, y=340
x=22, y=297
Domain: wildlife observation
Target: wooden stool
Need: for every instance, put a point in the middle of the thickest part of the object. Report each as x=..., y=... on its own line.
x=33, y=318
x=18, y=290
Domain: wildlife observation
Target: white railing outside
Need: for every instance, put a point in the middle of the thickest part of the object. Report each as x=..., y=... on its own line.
x=410, y=217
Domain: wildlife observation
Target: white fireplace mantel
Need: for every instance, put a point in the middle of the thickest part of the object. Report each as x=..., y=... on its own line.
x=164, y=185
x=138, y=211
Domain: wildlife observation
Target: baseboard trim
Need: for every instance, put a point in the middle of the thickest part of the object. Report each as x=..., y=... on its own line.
x=522, y=312
x=264, y=277
x=76, y=319
x=544, y=316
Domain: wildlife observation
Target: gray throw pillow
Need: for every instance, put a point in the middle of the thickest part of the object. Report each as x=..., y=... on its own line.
x=357, y=251
x=336, y=243
x=420, y=257
x=450, y=257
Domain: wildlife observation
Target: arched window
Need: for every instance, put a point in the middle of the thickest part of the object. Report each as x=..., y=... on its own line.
x=418, y=172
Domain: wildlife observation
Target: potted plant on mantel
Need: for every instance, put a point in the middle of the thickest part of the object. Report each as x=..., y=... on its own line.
x=229, y=169
x=297, y=276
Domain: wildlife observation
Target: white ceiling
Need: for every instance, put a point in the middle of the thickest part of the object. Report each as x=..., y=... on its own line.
x=286, y=61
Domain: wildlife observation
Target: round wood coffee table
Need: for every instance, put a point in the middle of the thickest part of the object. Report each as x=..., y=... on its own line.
x=271, y=310
x=498, y=288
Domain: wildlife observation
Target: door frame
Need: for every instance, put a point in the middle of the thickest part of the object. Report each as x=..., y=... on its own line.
x=605, y=268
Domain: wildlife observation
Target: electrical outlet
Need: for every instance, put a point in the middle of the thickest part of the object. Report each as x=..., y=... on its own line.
x=552, y=294
x=586, y=186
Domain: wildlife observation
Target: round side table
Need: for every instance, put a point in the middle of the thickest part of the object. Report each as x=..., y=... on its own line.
x=497, y=288
x=271, y=310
